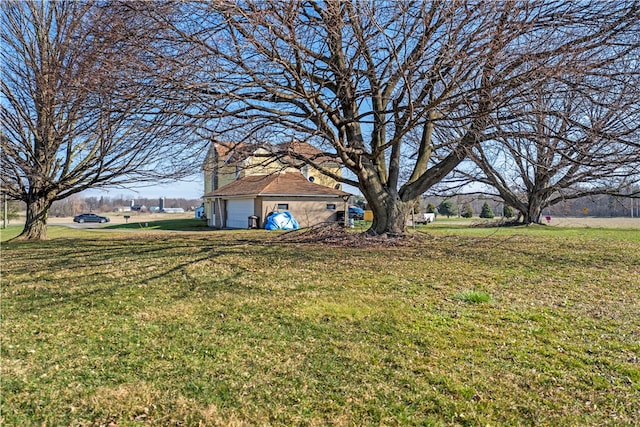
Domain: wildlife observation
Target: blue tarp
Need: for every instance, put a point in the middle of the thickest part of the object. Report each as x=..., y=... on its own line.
x=281, y=221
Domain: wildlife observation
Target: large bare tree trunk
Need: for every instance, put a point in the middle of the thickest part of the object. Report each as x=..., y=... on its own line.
x=532, y=214
x=35, y=227
x=389, y=217
x=389, y=211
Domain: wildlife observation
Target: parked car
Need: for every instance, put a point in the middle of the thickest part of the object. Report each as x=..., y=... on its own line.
x=356, y=212
x=90, y=217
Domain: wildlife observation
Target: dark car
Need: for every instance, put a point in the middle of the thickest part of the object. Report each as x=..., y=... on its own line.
x=90, y=217
x=356, y=212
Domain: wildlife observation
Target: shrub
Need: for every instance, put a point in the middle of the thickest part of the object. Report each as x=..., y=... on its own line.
x=507, y=211
x=486, y=211
x=467, y=211
x=448, y=208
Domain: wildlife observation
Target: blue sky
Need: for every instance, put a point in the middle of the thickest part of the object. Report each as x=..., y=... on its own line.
x=192, y=189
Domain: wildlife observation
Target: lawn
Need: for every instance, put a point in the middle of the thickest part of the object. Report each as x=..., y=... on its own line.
x=460, y=326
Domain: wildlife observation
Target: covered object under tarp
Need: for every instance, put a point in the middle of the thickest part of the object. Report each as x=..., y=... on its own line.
x=281, y=221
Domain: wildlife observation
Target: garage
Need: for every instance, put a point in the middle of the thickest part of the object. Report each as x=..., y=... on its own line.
x=238, y=212
x=259, y=195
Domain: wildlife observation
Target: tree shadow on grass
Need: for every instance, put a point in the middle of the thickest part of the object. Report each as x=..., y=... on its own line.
x=104, y=268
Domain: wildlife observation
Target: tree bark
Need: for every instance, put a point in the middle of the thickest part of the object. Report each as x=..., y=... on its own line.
x=389, y=217
x=532, y=215
x=531, y=210
x=35, y=227
x=389, y=211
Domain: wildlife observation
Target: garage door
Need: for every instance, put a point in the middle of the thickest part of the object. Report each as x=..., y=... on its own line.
x=238, y=212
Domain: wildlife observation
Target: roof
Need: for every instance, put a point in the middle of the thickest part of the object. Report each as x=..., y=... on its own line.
x=278, y=184
x=235, y=152
x=289, y=152
x=293, y=150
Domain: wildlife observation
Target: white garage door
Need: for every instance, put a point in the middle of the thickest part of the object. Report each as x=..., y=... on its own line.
x=238, y=213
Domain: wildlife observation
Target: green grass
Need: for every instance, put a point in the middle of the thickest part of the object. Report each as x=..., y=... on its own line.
x=231, y=328
x=188, y=224
x=10, y=232
x=473, y=296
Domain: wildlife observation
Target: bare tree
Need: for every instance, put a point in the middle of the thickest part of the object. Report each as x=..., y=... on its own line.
x=578, y=135
x=79, y=108
x=400, y=92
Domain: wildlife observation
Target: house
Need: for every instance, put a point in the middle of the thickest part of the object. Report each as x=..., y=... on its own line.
x=243, y=181
x=226, y=162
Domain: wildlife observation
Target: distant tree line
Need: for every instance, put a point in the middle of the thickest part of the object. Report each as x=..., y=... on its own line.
x=74, y=205
x=599, y=205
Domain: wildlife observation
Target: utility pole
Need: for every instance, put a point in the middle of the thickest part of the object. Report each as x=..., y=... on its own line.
x=5, y=211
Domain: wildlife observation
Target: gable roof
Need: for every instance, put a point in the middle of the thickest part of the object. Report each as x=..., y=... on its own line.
x=278, y=184
x=235, y=152
x=292, y=151
x=289, y=152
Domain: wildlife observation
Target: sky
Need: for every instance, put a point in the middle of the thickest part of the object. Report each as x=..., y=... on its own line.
x=191, y=189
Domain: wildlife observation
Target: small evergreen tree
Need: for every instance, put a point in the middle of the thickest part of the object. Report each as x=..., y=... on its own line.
x=467, y=211
x=507, y=211
x=431, y=208
x=486, y=211
x=448, y=208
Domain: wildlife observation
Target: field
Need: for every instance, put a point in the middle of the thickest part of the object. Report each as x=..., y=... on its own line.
x=457, y=326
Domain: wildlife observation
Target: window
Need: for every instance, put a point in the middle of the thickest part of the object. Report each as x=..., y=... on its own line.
x=331, y=206
x=283, y=206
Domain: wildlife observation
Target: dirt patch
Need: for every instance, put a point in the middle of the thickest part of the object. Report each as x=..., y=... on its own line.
x=335, y=235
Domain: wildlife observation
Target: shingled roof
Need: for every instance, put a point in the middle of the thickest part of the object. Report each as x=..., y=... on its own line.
x=279, y=184
x=292, y=151
x=289, y=152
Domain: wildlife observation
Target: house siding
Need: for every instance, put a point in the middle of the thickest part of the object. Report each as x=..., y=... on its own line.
x=226, y=175
x=307, y=211
x=319, y=178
